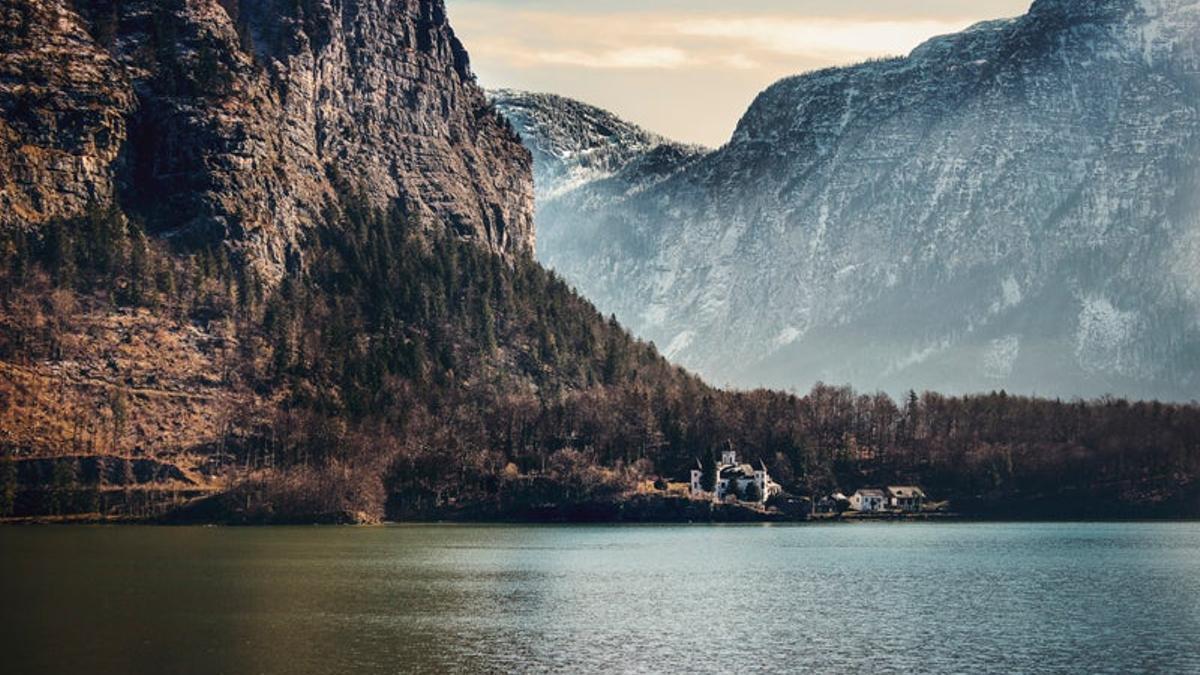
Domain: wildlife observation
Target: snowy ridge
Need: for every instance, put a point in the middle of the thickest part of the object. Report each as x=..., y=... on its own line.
x=1014, y=206
x=575, y=143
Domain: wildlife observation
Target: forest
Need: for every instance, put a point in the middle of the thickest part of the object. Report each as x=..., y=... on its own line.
x=398, y=371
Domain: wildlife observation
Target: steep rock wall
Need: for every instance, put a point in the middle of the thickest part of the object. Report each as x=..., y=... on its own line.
x=239, y=122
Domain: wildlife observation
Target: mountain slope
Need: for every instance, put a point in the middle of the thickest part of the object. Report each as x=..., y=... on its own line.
x=226, y=122
x=236, y=288
x=278, y=257
x=574, y=143
x=583, y=158
x=1014, y=206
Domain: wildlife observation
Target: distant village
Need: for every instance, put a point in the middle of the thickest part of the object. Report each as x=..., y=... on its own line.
x=735, y=482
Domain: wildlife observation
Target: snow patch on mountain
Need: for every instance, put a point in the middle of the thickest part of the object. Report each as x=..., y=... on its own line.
x=679, y=343
x=787, y=336
x=1107, y=337
x=575, y=144
x=1001, y=357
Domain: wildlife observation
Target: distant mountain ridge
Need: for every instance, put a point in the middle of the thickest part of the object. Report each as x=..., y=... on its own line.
x=575, y=143
x=585, y=157
x=1014, y=206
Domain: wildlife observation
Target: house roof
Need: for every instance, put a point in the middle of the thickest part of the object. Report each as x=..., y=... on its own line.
x=870, y=492
x=736, y=470
x=905, y=491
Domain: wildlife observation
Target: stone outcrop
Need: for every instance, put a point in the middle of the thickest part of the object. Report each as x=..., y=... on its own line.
x=243, y=122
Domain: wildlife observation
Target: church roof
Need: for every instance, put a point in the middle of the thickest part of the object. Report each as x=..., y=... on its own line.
x=736, y=470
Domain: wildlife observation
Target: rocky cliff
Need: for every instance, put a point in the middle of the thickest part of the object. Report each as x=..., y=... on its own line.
x=241, y=122
x=1015, y=206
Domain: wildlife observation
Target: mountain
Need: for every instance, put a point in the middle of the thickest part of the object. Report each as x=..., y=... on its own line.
x=584, y=156
x=1014, y=206
x=225, y=122
x=575, y=144
x=273, y=262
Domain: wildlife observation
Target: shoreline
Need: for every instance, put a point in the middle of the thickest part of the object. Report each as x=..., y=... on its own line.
x=634, y=508
x=94, y=520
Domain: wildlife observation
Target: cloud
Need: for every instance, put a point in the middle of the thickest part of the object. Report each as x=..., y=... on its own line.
x=645, y=40
x=819, y=37
x=629, y=57
x=648, y=60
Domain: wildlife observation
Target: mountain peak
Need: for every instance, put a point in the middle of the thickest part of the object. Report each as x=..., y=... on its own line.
x=575, y=143
x=1012, y=206
x=1107, y=9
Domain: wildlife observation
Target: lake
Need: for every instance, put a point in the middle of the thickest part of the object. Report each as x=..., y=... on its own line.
x=947, y=598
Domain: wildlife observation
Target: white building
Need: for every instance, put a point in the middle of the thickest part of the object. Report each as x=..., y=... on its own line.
x=868, y=501
x=741, y=481
x=906, y=498
x=698, y=480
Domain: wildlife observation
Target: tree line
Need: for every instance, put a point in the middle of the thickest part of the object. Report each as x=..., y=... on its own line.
x=418, y=372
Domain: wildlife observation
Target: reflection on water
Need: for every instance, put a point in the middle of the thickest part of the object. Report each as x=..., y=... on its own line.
x=945, y=598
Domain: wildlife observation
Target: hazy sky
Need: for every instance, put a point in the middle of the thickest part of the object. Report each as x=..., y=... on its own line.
x=689, y=68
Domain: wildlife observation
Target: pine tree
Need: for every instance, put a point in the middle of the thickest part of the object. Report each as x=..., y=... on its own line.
x=8, y=486
x=120, y=415
x=63, y=478
x=487, y=326
x=708, y=468
x=60, y=255
x=141, y=277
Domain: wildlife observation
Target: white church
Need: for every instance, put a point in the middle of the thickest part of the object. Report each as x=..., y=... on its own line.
x=737, y=480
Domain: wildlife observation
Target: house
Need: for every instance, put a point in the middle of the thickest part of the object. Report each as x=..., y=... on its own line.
x=741, y=481
x=868, y=500
x=906, y=498
x=834, y=503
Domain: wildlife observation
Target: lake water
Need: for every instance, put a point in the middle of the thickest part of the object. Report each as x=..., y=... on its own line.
x=949, y=598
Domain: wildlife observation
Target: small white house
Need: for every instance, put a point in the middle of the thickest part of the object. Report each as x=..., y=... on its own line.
x=868, y=500
x=906, y=498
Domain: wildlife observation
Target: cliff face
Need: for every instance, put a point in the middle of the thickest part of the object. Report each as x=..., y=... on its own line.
x=1014, y=206
x=64, y=103
x=235, y=122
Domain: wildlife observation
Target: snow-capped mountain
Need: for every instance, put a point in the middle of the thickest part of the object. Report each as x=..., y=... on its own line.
x=1014, y=206
x=585, y=159
x=576, y=144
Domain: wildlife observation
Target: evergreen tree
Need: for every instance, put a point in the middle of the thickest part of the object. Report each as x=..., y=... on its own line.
x=487, y=326
x=708, y=467
x=63, y=482
x=141, y=278
x=120, y=415
x=60, y=254
x=8, y=486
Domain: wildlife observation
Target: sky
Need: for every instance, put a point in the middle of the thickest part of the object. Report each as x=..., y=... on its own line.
x=688, y=69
